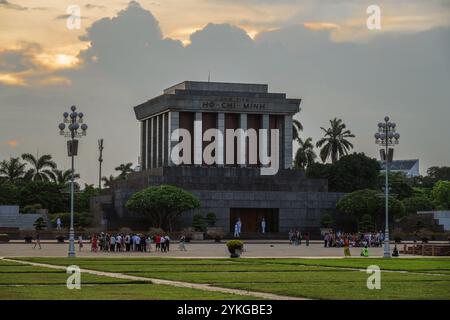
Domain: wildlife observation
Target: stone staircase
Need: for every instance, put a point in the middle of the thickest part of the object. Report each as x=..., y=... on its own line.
x=442, y=218
x=10, y=217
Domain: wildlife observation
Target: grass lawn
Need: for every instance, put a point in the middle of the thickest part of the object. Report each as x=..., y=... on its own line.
x=292, y=277
x=18, y=281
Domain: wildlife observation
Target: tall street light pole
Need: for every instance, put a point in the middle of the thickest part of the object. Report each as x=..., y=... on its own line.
x=387, y=137
x=100, y=160
x=74, y=119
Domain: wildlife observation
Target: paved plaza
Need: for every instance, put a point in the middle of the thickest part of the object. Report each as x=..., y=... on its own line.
x=276, y=249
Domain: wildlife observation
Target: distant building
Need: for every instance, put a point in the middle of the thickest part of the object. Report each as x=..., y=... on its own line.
x=409, y=167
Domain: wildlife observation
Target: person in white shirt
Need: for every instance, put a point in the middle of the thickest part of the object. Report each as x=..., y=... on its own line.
x=148, y=241
x=112, y=242
x=58, y=223
x=119, y=242
x=163, y=244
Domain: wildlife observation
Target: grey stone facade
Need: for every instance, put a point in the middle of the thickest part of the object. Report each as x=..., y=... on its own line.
x=291, y=200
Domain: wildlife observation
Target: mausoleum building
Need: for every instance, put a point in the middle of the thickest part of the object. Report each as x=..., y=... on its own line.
x=233, y=186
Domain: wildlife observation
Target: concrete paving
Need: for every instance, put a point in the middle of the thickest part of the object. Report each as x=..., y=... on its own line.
x=194, y=250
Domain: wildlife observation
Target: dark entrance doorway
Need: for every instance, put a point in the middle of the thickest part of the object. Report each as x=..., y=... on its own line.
x=251, y=219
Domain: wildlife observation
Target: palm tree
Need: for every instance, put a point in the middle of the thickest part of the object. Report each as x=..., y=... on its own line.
x=305, y=155
x=335, y=144
x=124, y=169
x=12, y=170
x=108, y=182
x=41, y=167
x=297, y=127
x=63, y=178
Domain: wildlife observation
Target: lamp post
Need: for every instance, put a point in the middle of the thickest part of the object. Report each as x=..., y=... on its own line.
x=387, y=137
x=73, y=119
x=100, y=160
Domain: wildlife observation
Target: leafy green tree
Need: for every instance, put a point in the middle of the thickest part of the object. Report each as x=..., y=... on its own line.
x=162, y=204
x=12, y=169
x=350, y=173
x=83, y=197
x=354, y=172
x=366, y=201
x=305, y=155
x=48, y=194
x=441, y=195
x=41, y=167
x=439, y=173
x=9, y=193
x=335, y=142
x=199, y=223
x=366, y=224
x=398, y=185
x=125, y=170
x=417, y=203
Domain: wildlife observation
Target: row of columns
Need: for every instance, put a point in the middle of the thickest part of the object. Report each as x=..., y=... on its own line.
x=156, y=144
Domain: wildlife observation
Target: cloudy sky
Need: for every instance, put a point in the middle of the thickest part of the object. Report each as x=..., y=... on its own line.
x=320, y=51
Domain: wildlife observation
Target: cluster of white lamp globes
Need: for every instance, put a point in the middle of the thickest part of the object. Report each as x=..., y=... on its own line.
x=386, y=134
x=74, y=119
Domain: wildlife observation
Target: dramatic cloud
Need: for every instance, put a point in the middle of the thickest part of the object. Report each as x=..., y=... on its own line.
x=128, y=61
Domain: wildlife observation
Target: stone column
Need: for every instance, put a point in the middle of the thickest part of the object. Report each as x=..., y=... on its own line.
x=242, y=145
x=220, y=146
x=163, y=139
x=266, y=125
x=143, y=144
x=149, y=144
x=173, y=124
x=198, y=139
x=158, y=141
x=153, y=144
x=287, y=141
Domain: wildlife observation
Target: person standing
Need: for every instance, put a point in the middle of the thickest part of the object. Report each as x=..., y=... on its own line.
x=112, y=243
x=162, y=240
x=58, y=223
x=94, y=243
x=158, y=242
x=80, y=242
x=127, y=242
x=119, y=242
x=137, y=243
x=236, y=230
x=38, y=241
x=182, y=245
x=167, y=242
x=307, y=239
x=346, y=247
x=148, y=242
x=263, y=225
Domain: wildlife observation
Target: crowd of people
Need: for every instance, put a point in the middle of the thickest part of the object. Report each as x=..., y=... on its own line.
x=339, y=239
x=131, y=242
x=296, y=237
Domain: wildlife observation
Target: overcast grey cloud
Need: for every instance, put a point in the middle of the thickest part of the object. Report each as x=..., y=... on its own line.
x=129, y=61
